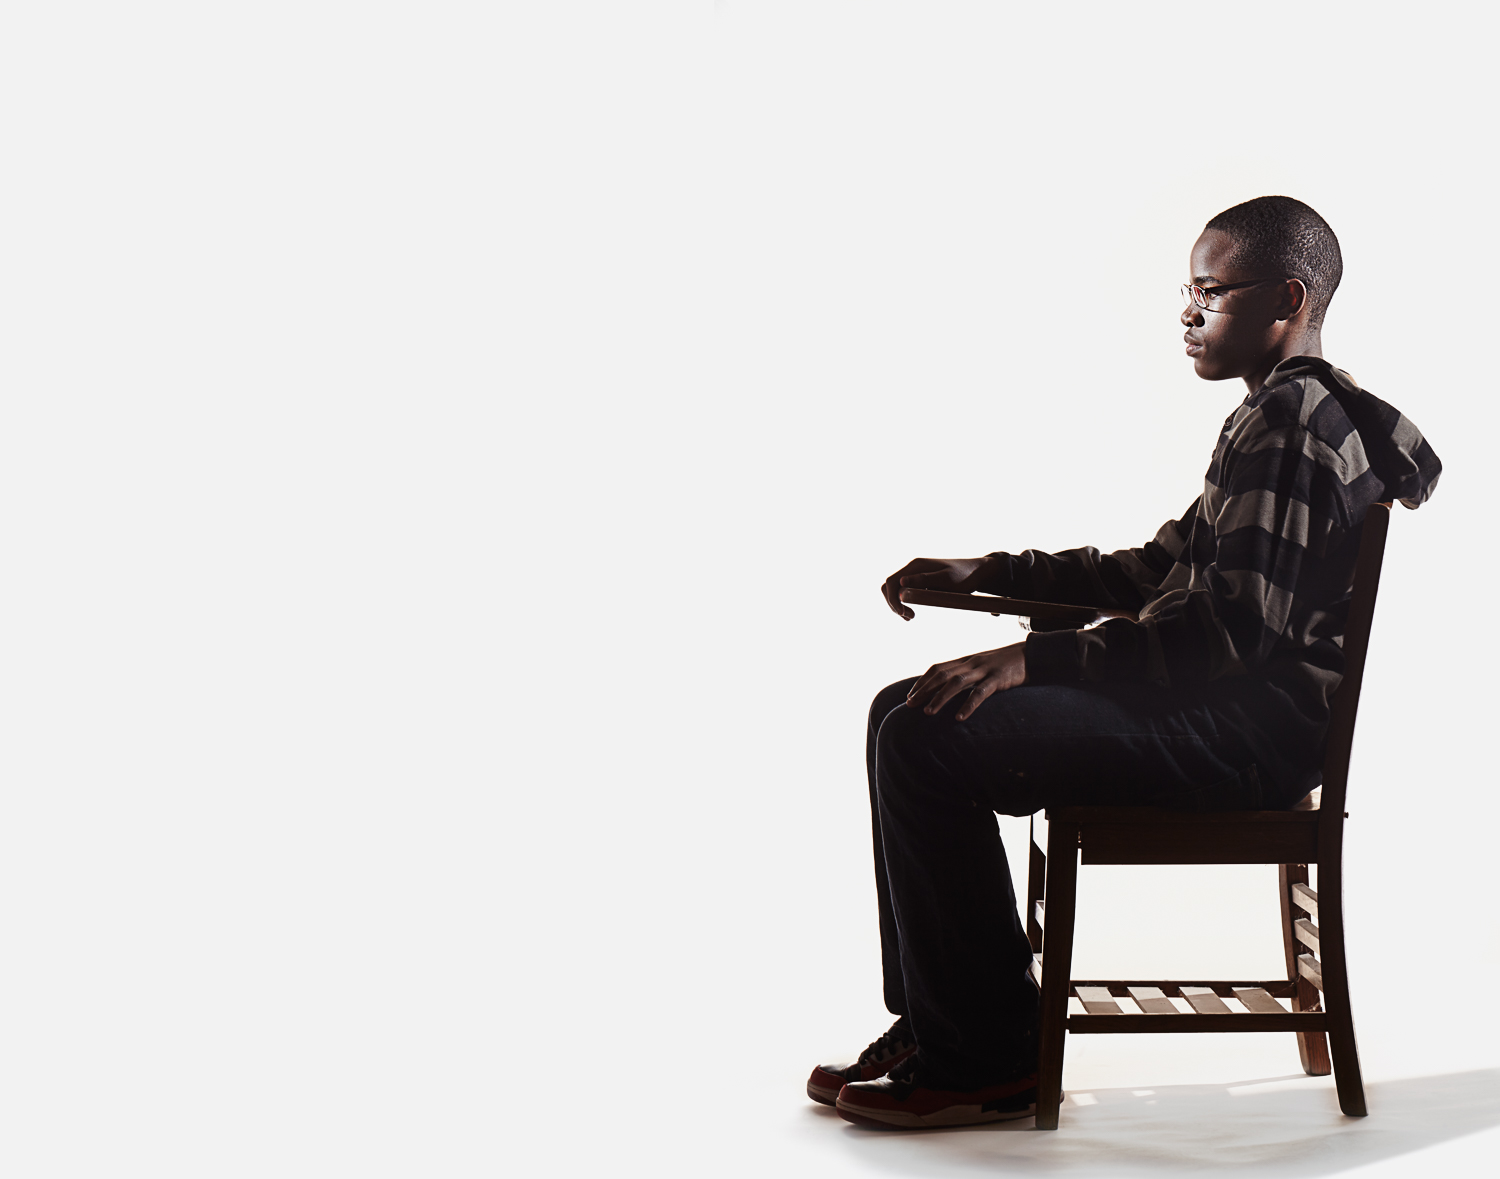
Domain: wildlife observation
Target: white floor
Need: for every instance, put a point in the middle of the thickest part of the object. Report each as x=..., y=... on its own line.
x=1179, y=1106
x=1161, y=1121
x=748, y=986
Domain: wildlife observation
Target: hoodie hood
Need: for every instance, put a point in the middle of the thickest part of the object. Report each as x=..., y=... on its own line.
x=1398, y=454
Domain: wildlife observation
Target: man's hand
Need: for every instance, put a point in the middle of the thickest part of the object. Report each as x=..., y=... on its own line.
x=958, y=576
x=983, y=675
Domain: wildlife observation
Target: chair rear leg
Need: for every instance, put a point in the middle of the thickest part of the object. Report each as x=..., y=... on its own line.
x=1312, y=1047
x=1057, y=967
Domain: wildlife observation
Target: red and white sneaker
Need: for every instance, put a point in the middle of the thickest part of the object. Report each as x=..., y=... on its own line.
x=900, y=1101
x=875, y=1061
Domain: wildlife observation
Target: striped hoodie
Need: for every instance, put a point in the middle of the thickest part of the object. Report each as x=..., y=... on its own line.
x=1255, y=577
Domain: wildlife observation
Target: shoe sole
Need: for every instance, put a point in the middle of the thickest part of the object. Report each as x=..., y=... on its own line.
x=822, y=1096
x=954, y=1115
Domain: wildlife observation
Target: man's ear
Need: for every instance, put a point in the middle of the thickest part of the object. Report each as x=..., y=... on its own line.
x=1293, y=298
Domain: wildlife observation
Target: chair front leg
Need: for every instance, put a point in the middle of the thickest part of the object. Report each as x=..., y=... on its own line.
x=1057, y=967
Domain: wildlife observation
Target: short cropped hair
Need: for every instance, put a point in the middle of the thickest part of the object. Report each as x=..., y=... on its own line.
x=1282, y=236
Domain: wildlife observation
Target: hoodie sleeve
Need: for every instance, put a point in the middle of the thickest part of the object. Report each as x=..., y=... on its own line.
x=1123, y=580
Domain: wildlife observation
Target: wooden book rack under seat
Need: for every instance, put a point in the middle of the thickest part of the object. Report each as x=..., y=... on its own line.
x=1316, y=989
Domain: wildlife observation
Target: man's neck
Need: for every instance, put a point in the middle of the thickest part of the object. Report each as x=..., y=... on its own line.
x=1306, y=344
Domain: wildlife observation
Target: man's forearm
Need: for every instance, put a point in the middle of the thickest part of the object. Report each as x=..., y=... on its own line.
x=1070, y=577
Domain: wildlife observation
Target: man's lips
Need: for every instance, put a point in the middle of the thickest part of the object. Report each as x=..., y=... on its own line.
x=1194, y=345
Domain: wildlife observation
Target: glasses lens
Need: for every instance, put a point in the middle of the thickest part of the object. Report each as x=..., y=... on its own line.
x=1187, y=295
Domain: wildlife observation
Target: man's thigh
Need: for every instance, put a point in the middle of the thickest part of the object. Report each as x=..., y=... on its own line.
x=1057, y=745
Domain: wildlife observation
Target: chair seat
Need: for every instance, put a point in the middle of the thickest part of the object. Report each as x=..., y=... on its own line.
x=1150, y=835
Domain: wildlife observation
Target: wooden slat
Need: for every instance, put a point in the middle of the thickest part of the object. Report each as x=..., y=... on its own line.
x=1035, y=969
x=1279, y=987
x=1287, y=1021
x=1153, y=1002
x=1258, y=1000
x=1098, y=1001
x=1311, y=969
x=1304, y=898
x=1204, y=1001
x=1041, y=914
x=1307, y=933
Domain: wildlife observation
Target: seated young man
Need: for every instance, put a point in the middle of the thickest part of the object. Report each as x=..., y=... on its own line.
x=1212, y=694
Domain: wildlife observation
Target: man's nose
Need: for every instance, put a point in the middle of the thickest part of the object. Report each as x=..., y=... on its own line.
x=1192, y=316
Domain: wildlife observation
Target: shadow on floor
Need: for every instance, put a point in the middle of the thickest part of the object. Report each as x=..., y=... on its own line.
x=1288, y=1125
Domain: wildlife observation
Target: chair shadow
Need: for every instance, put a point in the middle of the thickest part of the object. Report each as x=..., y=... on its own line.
x=1287, y=1125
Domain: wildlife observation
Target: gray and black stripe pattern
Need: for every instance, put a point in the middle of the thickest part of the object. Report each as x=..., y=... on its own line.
x=1255, y=577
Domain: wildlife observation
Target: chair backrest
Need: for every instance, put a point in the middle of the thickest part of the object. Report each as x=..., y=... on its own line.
x=1345, y=702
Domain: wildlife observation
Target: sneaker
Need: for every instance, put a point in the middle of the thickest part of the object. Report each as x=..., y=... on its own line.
x=875, y=1061
x=900, y=1100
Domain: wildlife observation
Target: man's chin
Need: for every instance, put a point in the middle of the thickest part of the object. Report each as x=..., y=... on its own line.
x=1209, y=371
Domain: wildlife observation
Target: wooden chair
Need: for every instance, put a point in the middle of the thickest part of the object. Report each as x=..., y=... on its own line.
x=1312, y=833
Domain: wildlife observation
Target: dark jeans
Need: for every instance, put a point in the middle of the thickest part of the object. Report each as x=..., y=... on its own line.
x=954, y=948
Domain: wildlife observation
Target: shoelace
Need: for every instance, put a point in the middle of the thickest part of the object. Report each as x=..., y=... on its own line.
x=898, y=1034
x=904, y=1073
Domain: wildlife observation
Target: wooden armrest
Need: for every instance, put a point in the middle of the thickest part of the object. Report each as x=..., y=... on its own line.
x=990, y=604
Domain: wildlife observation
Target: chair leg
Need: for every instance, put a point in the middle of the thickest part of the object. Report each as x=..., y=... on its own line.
x=1057, y=967
x=1312, y=1047
x=1036, y=876
x=1335, y=966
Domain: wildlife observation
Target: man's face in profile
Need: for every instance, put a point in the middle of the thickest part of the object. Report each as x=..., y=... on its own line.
x=1234, y=332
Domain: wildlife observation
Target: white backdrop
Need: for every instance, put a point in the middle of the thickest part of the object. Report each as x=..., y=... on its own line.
x=449, y=455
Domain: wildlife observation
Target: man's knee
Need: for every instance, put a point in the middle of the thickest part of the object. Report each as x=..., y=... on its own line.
x=887, y=700
x=922, y=755
x=908, y=738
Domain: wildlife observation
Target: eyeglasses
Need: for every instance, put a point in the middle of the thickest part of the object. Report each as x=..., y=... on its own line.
x=1201, y=295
